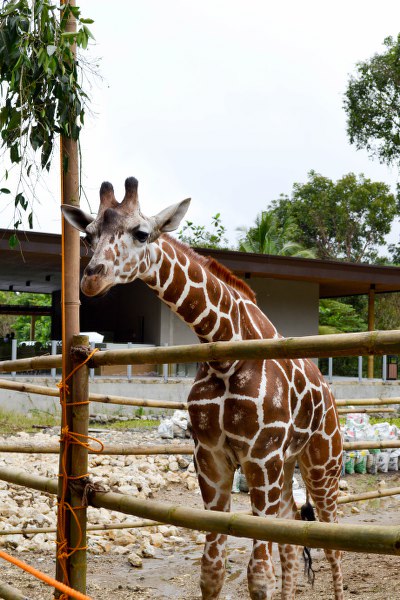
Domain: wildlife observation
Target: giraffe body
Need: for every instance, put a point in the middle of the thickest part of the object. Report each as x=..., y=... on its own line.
x=261, y=415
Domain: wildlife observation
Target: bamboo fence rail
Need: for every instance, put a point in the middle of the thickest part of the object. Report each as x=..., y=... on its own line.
x=373, y=539
x=185, y=449
x=104, y=527
x=110, y=450
x=344, y=344
x=8, y=592
x=31, y=388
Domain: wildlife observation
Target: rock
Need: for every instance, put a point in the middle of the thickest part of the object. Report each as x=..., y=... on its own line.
x=182, y=462
x=173, y=466
x=157, y=540
x=135, y=560
x=355, y=510
x=191, y=483
x=148, y=551
x=200, y=538
x=343, y=485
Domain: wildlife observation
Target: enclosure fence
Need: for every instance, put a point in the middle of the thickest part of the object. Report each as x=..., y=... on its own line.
x=80, y=492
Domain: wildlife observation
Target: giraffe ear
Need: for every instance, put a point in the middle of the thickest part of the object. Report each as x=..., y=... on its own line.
x=169, y=218
x=76, y=217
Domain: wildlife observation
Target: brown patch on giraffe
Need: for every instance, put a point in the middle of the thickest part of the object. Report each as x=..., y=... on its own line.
x=205, y=422
x=116, y=250
x=239, y=447
x=257, y=499
x=128, y=266
x=207, y=324
x=299, y=381
x=212, y=388
x=177, y=285
x=246, y=380
x=330, y=423
x=194, y=304
x=206, y=464
x=164, y=271
x=240, y=417
x=142, y=267
x=224, y=332
x=207, y=492
x=274, y=495
x=109, y=255
x=254, y=474
x=169, y=250
x=260, y=553
x=269, y=438
x=304, y=417
x=213, y=550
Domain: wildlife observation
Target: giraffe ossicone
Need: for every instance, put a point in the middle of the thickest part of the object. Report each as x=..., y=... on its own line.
x=262, y=415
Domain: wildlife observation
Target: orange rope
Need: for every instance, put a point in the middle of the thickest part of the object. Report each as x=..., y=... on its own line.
x=45, y=578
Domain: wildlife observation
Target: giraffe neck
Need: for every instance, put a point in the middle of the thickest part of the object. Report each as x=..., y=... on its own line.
x=214, y=309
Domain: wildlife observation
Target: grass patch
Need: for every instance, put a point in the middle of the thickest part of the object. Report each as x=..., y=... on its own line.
x=13, y=422
x=132, y=423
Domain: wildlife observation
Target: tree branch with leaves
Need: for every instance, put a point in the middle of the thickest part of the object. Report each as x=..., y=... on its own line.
x=41, y=90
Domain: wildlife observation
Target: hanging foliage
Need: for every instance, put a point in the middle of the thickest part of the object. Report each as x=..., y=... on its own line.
x=41, y=91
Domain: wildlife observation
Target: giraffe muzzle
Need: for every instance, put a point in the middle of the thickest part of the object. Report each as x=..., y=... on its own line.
x=94, y=281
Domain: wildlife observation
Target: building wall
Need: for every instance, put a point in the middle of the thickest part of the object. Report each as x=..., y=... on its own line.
x=292, y=306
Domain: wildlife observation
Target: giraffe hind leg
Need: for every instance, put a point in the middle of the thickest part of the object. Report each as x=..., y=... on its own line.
x=289, y=553
x=322, y=481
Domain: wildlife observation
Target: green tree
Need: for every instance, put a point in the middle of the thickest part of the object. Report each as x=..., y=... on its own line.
x=41, y=91
x=372, y=104
x=269, y=236
x=21, y=324
x=198, y=236
x=347, y=219
x=339, y=317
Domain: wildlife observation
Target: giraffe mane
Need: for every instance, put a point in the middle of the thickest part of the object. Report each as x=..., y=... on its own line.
x=212, y=265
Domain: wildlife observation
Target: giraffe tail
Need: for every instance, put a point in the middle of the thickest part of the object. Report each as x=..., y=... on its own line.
x=307, y=514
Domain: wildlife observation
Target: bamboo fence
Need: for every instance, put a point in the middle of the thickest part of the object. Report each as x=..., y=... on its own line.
x=345, y=344
x=169, y=449
x=341, y=403
x=353, y=538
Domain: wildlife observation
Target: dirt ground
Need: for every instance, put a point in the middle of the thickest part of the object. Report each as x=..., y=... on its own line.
x=174, y=572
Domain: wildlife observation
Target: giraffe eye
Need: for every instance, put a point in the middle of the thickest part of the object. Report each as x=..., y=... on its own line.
x=140, y=236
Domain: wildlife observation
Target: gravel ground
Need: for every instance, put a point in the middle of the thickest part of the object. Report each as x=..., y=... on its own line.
x=168, y=558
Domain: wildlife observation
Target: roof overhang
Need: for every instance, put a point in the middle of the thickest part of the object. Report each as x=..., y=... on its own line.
x=35, y=266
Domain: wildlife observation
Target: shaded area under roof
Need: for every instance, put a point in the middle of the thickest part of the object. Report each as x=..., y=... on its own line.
x=35, y=266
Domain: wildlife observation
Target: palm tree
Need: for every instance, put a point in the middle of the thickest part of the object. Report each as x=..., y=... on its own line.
x=268, y=236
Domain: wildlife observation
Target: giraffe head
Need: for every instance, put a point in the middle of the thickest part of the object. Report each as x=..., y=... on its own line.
x=120, y=236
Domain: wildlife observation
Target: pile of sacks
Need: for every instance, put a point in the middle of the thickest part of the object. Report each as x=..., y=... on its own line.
x=359, y=428
x=176, y=426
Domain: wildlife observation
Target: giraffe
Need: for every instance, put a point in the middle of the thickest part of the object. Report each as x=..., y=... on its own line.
x=261, y=415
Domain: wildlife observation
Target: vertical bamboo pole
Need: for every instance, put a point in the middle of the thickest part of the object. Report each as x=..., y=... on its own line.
x=371, y=326
x=69, y=172
x=79, y=468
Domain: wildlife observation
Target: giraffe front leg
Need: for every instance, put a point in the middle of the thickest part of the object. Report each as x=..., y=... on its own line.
x=265, y=483
x=215, y=475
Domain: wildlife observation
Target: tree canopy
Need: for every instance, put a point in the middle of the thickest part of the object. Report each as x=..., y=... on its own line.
x=270, y=236
x=372, y=104
x=347, y=219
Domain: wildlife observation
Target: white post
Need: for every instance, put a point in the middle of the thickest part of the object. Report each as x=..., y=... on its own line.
x=91, y=371
x=360, y=368
x=129, y=367
x=165, y=370
x=53, y=371
x=384, y=367
x=13, y=353
x=330, y=369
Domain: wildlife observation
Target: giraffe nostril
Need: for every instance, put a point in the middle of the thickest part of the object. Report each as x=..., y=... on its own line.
x=96, y=270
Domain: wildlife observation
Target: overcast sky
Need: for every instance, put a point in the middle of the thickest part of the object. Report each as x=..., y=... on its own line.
x=227, y=102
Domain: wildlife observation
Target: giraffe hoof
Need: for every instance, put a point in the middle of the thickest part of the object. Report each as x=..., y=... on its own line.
x=260, y=594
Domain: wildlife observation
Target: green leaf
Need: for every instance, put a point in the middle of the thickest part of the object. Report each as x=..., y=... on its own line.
x=4, y=191
x=13, y=241
x=51, y=49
